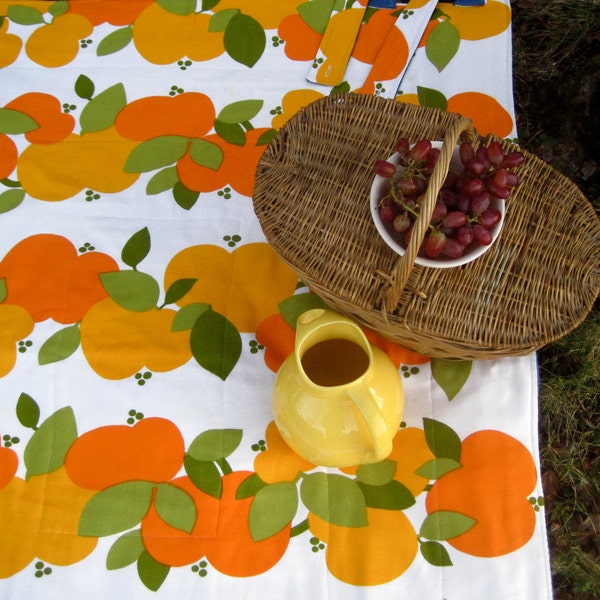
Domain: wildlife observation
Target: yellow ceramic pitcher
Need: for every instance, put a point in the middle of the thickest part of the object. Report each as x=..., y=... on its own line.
x=337, y=400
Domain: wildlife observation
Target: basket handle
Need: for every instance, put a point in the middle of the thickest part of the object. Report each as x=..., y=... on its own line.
x=403, y=266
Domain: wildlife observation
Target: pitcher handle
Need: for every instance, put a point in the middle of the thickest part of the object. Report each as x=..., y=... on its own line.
x=373, y=418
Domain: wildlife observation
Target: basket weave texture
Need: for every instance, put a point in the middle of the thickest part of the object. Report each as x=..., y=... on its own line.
x=535, y=284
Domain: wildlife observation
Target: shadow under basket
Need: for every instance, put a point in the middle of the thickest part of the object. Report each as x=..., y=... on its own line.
x=536, y=283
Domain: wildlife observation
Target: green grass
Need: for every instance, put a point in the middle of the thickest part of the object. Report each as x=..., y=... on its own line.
x=556, y=46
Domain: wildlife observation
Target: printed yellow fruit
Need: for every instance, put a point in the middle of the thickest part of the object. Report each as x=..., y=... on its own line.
x=478, y=22
x=15, y=325
x=268, y=14
x=57, y=43
x=10, y=45
x=57, y=540
x=118, y=343
x=92, y=161
x=245, y=285
x=371, y=555
x=292, y=102
x=162, y=37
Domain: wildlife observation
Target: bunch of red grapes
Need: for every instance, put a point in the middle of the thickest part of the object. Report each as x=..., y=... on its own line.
x=464, y=215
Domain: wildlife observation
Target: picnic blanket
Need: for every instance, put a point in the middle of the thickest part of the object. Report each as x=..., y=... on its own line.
x=143, y=316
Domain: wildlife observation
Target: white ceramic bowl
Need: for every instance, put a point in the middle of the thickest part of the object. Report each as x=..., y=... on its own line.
x=380, y=187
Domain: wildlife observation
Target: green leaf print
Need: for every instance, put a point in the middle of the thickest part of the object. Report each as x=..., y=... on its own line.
x=291, y=308
x=132, y=290
x=162, y=181
x=58, y=8
x=244, y=39
x=249, y=487
x=125, y=551
x=220, y=20
x=434, y=469
x=334, y=498
x=188, y=315
x=100, y=112
x=451, y=376
x=175, y=507
x=156, y=153
x=431, y=97
x=10, y=199
x=442, y=440
x=3, y=290
x=115, y=41
x=46, y=450
x=376, y=473
x=115, y=509
x=232, y=133
x=215, y=444
x=445, y=524
x=215, y=343
x=136, y=248
x=435, y=554
x=442, y=44
x=206, y=154
x=266, y=137
x=28, y=411
x=25, y=15
x=60, y=345
x=184, y=197
x=316, y=13
x=204, y=475
x=178, y=289
x=178, y=7
x=14, y=122
x=273, y=507
x=151, y=573
x=84, y=87
x=390, y=496
x=238, y=112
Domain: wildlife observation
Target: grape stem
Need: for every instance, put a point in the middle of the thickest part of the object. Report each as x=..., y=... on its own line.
x=399, y=199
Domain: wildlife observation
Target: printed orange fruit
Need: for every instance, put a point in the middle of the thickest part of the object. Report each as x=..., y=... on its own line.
x=115, y=12
x=172, y=546
x=8, y=156
x=244, y=285
x=46, y=110
x=9, y=463
x=370, y=555
x=488, y=115
x=233, y=552
x=492, y=486
x=372, y=34
x=151, y=450
x=301, y=40
x=237, y=167
x=278, y=338
x=190, y=114
x=45, y=275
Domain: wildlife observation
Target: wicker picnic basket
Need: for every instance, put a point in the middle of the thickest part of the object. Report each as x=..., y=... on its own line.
x=536, y=283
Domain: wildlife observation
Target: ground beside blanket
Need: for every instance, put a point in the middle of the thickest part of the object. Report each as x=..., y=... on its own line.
x=557, y=88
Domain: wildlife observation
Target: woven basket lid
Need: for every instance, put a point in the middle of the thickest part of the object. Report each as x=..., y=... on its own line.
x=535, y=284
